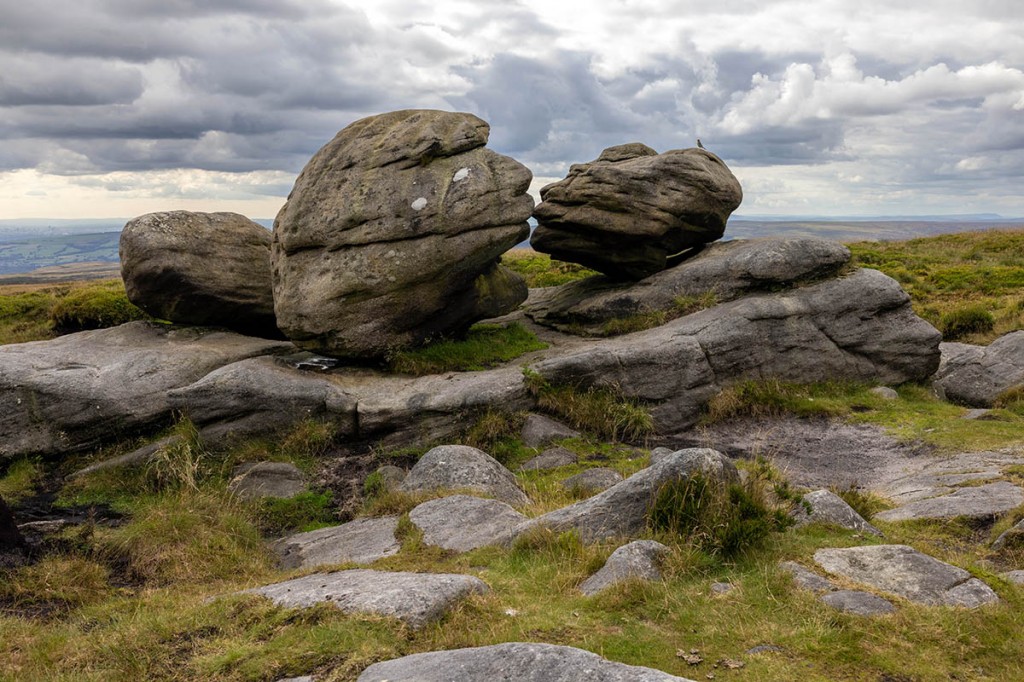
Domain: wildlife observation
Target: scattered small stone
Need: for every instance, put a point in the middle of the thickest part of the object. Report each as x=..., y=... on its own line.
x=539, y=431
x=885, y=393
x=593, y=480
x=1016, y=577
x=638, y=560
x=254, y=480
x=730, y=663
x=722, y=588
x=977, y=413
x=552, y=458
x=692, y=657
x=859, y=603
x=806, y=579
x=511, y=613
x=765, y=649
x=1012, y=536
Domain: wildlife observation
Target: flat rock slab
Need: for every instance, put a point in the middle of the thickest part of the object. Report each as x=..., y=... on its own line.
x=827, y=507
x=552, y=458
x=461, y=523
x=593, y=480
x=522, y=662
x=977, y=502
x=907, y=573
x=451, y=467
x=414, y=598
x=636, y=561
x=362, y=541
x=858, y=603
x=621, y=511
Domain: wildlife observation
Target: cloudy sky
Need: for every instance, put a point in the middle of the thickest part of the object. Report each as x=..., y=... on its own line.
x=113, y=108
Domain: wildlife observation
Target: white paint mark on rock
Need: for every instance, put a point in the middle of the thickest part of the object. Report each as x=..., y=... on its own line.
x=461, y=174
x=419, y=204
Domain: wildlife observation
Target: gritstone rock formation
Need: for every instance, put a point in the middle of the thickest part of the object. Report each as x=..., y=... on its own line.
x=200, y=268
x=392, y=235
x=631, y=210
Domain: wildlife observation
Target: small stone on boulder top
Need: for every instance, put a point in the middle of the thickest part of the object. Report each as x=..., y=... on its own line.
x=392, y=235
x=629, y=211
x=454, y=467
x=210, y=269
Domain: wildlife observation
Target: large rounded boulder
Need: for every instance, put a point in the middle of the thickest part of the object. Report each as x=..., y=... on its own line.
x=210, y=269
x=633, y=212
x=393, y=233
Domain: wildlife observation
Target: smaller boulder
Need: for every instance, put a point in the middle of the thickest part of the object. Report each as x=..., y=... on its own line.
x=1012, y=536
x=254, y=480
x=593, y=480
x=824, y=506
x=1015, y=577
x=390, y=476
x=210, y=269
x=806, y=579
x=460, y=523
x=552, y=458
x=976, y=375
x=455, y=467
x=362, y=541
x=858, y=603
x=636, y=561
x=884, y=392
x=539, y=431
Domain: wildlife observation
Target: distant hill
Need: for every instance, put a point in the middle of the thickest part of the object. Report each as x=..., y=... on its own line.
x=47, y=251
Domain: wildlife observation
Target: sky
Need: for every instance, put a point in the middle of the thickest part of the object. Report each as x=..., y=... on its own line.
x=115, y=108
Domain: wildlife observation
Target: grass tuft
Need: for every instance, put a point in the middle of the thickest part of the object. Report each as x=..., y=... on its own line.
x=961, y=323
x=599, y=411
x=540, y=270
x=485, y=345
x=94, y=307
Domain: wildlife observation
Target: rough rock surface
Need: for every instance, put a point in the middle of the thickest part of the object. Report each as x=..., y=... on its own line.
x=266, y=479
x=392, y=235
x=637, y=561
x=973, y=502
x=461, y=523
x=621, y=511
x=859, y=327
x=209, y=269
x=77, y=391
x=722, y=272
x=593, y=480
x=827, y=507
x=858, y=603
x=552, y=458
x=539, y=431
x=631, y=209
x=455, y=467
x=415, y=598
x=1015, y=577
x=391, y=476
x=362, y=541
x=905, y=572
x=523, y=662
x=976, y=375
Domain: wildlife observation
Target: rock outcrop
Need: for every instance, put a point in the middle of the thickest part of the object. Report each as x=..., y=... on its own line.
x=977, y=375
x=81, y=390
x=719, y=273
x=628, y=212
x=859, y=327
x=208, y=269
x=392, y=235
x=976, y=502
x=523, y=662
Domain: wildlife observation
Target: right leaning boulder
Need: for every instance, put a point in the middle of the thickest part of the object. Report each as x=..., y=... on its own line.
x=627, y=213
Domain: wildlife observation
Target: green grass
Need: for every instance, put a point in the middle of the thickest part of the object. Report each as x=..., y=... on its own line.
x=539, y=270
x=485, y=345
x=957, y=278
x=599, y=411
x=20, y=480
x=37, y=312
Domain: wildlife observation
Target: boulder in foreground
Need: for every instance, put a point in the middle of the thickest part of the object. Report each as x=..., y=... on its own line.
x=977, y=375
x=392, y=235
